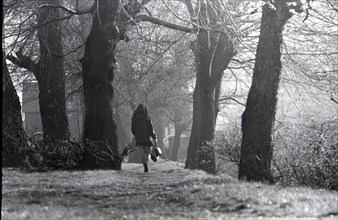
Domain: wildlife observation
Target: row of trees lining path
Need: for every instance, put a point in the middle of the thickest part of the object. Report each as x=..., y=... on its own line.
x=213, y=49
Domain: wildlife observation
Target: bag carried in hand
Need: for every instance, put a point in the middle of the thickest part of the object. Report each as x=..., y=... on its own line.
x=156, y=152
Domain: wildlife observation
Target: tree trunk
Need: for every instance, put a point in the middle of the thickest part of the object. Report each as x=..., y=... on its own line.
x=259, y=115
x=98, y=75
x=206, y=151
x=49, y=72
x=213, y=51
x=123, y=139
x=13, y=135
x=177, y=142
x=191, y=161
x=51, y=76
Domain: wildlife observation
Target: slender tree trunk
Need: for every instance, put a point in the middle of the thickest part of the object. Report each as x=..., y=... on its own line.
x=98, y=76
x=259, y=115
x=177, y=141
x=13, y=136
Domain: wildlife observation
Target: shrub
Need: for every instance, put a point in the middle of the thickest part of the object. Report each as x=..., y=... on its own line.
x=103, y=154
x=57, y=154
x=228, y=147
x=306, y=154
x=13, y=145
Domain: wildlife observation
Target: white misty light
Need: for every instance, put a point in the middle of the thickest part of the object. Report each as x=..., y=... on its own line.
x=292, y=4
x=271, y=6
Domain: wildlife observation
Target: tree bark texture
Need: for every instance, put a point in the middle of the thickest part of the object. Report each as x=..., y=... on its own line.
x=191, y=161
x=100, y=133
x=51, y=76
x=259, y=115
x=213, y=52
x=49, y=72
x=123, y=139
x=13, y=136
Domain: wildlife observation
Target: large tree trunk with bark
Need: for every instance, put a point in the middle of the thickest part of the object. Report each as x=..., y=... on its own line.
x=100, y=134
x=123, y=138
x=212, y=58
x=49, y=72
x=206, y=151
x=191, y=161
x=13, y=136
x=213, y=51
x=51, y=76
x=259, y=115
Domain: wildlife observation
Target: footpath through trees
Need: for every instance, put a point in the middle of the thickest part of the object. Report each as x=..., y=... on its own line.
x=168, y=191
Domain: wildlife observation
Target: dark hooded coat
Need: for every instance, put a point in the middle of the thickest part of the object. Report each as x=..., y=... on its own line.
x=141, y=127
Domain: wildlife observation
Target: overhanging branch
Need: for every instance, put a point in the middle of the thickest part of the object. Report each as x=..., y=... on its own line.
x=91, y=9
x=164, y=23
x=231, y=99
x=24, y=62
x=333, y=99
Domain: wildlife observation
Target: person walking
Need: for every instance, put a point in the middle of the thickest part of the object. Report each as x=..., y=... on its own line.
x=142, y=129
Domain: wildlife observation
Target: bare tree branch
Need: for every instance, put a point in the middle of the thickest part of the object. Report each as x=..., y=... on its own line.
x=231, y=99
x=332, y=5
x=334, y=100
x=165, y=23
x=144, y=2
x=91, y=9
x=71, y=51
x=24, y=62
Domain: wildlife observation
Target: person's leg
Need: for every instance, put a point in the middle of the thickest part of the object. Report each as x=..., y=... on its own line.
x=144, y=157
x=145, y=166
x=147, y=152
x=143, y=154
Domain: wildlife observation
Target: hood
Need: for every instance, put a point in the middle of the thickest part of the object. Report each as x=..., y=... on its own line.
x=139, y=116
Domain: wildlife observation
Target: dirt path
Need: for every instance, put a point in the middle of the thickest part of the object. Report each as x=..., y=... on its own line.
x=166, y=192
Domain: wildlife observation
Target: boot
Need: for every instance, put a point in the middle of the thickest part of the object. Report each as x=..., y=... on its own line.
x=145, y=167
